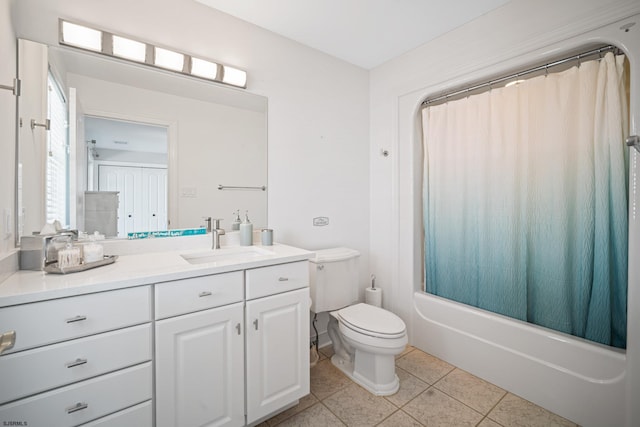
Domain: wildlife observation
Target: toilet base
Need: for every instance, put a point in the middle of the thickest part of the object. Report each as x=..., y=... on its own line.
x=347, y=367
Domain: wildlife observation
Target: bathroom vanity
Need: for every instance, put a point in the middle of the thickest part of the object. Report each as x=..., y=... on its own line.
x=176, y=338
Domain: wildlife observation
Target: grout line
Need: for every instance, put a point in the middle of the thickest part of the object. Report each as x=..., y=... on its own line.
x=336, y=415
x=465, y=404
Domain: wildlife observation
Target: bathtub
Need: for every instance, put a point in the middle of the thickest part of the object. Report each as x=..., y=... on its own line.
x=577, y=379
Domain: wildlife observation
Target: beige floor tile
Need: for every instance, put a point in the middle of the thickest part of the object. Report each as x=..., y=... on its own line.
x=515, y=411
x=471, y=390
x=433, y=408
x=304, y=403
x=407, y=349
x=424, y=366
x=410, y=387
x=326, y=379
x=399, y=419
x=355, y=406
x=316, y=416
x=326, y=351
x=488, y=423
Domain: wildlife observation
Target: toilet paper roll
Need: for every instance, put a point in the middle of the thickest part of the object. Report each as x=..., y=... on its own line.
x=373, y=296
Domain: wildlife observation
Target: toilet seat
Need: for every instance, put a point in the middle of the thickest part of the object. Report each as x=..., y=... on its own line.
x=372, y=321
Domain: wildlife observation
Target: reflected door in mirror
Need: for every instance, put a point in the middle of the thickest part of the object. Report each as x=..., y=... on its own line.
x=136, y=213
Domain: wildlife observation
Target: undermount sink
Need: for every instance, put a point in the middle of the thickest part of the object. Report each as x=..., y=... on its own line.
x=231, y=254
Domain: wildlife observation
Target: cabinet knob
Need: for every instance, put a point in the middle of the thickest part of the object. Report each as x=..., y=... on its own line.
x=255, y=323
x=239, y=328
x=7, y=340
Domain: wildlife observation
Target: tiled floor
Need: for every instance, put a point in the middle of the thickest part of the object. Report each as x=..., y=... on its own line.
x=432, y=393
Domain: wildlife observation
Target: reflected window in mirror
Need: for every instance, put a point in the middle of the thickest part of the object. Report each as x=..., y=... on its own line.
x=57, y=158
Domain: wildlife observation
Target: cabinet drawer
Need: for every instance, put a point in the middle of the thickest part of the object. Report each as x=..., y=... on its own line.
x=44, y=368
x=276, y=279
x=85, y=401
x=198, y=293
x=139, y=416
x=57, y=320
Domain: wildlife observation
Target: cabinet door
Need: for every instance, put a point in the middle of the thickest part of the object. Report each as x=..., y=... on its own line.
x=200, y=369
x=277, y=352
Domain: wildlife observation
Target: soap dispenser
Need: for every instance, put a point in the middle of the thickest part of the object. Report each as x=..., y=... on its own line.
x=246, y=231
x=236, y=222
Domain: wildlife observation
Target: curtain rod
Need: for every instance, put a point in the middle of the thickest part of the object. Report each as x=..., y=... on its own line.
x=546, y=66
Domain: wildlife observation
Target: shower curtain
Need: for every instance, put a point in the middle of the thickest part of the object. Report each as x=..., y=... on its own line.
x=525, y=200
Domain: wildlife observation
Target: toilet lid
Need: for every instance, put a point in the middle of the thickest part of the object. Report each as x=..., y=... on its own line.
x=372, y=320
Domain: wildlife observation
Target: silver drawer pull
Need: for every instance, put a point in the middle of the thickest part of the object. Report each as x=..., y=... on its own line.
x=204, y=294
x=7, y=340
x=255, y=323
x=77, y=319
x=283, y=279
x=77, y=407
x=77, y=362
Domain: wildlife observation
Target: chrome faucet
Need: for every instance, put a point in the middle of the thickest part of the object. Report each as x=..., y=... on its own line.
x=216, y=232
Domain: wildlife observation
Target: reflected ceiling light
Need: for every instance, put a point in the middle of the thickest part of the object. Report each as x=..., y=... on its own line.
x=169, y=59
x=202, y=68
x=107, y=43
x=80, y=36
x=129, y=49
x=235, y=77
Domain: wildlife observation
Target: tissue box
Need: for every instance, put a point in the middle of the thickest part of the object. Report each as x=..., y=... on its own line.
x=39, y=250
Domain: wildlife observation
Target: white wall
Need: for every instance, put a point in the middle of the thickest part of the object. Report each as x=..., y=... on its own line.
x=7, y=126
x=514, y=36
x=318, y=107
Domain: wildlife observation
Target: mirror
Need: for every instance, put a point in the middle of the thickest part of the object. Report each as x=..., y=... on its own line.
x=215, y=136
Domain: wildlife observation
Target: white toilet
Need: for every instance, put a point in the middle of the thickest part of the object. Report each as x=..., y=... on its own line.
x=365, y=338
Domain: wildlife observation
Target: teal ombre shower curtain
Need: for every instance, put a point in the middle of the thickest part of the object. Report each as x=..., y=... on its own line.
x=525, y=200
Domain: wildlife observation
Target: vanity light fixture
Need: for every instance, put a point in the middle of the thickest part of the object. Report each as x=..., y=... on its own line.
x=234, y=77
x=109, y=44
x=80, y=36
x=168, y=59
x=129, y=49
x=205, y=69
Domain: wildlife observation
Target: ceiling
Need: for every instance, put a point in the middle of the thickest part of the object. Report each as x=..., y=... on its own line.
x=365, y=33
x=125, y=136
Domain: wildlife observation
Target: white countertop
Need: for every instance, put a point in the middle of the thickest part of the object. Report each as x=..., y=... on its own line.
x=132, y=270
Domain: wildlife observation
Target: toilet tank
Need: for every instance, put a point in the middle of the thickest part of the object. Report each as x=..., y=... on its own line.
x=333, y=275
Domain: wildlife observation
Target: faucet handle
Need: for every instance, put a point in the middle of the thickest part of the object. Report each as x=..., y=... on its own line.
x=207, y=219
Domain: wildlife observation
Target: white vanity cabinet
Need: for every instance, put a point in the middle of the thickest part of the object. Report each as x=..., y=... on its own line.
x=277, y=337
x=187, y=345
x=200, y=351
x=210, y=329
x=77, y=359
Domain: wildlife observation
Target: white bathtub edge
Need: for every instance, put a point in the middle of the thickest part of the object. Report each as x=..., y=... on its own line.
x=587, y=400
